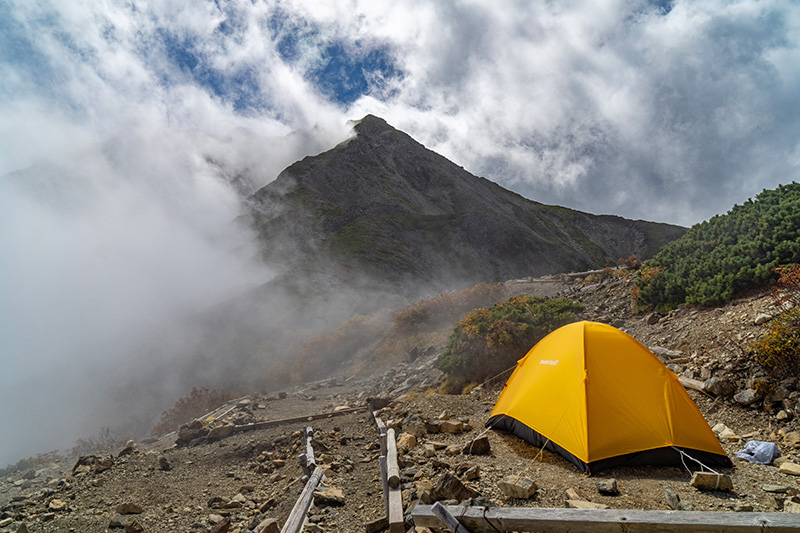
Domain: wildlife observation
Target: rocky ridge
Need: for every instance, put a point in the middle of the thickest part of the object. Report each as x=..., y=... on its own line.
x=248, y=481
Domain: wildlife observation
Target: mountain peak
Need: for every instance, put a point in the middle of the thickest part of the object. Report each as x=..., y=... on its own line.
x=371, y=125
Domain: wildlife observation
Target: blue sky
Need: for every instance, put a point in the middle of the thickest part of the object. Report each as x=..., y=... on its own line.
x=130, y=112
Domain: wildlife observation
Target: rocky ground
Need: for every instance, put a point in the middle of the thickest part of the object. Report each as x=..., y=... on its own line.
x=243, y=481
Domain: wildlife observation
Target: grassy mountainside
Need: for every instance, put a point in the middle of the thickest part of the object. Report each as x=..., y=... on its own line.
x=726, y=254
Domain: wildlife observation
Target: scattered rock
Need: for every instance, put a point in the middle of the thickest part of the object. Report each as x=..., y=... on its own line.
x=674, y=500
x=330, y=496
x=129, y=508
x=220, y=432
x=221, y=527
x=163, y=464
x=451, y=426
x=582, y=504
x=790, y=506
x=779, y=489
x=479, y=446
x=449, y=487
x=719, y=387
x=711, y=481
x=193, y=430
x=406, y=442
x=57, y=505
x=762, y=318
x=607, y=486
x=268, y=525
x=746, y=397
x=651, y=319
x=790, y=468
x=517, y=487
x=576, y=494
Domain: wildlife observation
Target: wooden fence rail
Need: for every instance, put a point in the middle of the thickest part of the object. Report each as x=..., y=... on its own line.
x=390, y=475
x=294, y=524
x=505, y=519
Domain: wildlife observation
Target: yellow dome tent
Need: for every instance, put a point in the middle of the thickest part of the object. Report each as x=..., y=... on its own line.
x=595, y=395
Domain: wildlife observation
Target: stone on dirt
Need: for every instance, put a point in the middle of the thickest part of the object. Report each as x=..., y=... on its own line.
x=711, y=481
x=268, y=525
x=517, y=487
x=479, y=446
x=746, y=397
x=792, y=469
x=129, y=508
x=607, y=486
x=330, y=496
x=583, y=504
x=449, y=487
x=193, y=430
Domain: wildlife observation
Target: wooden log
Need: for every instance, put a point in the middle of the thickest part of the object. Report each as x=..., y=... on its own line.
x=382, y=462
x=310, y=462
x=395, y=514
x=694, y=384
x=392, y=470
x=294, y=524
x=308, y=418
x=382, y=437
x=504, y=519
x=447, y=519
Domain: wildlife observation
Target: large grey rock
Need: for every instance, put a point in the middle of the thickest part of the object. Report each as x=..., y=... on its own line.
x=607, y=486
x=719, y=387
x=746, y=397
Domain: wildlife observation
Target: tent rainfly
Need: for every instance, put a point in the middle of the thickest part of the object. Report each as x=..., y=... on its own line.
x=595, y=395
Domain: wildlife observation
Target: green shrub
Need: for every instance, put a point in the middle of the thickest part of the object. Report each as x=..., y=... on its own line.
x=779, y=350
x=726, y=254
x=491, y=339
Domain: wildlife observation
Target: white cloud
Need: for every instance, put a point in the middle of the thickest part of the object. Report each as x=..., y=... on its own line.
x=611, y=107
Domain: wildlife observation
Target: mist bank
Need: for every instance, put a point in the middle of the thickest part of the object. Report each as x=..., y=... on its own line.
x=111, y=252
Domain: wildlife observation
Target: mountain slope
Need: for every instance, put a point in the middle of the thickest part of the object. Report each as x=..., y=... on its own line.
x=380, y=206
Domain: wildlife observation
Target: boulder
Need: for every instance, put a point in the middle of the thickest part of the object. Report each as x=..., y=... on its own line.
x=129, y=508
x=674, y=500
x=57, y=505
x=449, y=487
x=190, y=431
x=406, y=442
x=517, y=487
x=415, y=426
x=330, y=496
x=746, y=397
x=790, y=468
x=268, y=525
x=719, y=387
x=711, y=481
x=479, y=446
x=762, y=318
x=607, y=486
x=424, y=489
x=451, y=426
x=220, y=432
